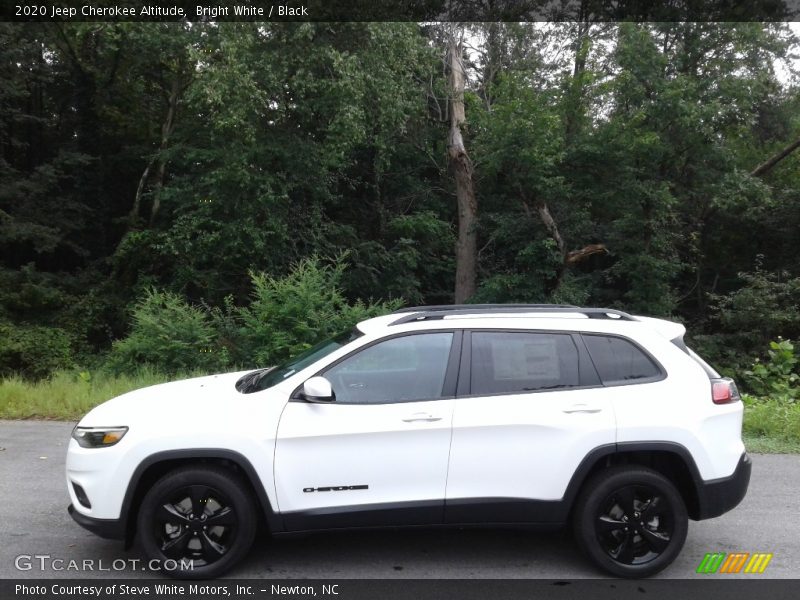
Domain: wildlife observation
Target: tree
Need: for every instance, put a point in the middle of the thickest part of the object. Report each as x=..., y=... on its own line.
x=462, y=170
x=649, y=167
x=170, y=72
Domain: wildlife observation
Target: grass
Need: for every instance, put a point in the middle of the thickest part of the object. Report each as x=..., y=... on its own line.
x=768, y=445
x=770, y=425
x=67, y=395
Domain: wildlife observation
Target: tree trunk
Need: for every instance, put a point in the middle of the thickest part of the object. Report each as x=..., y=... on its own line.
x=137, y=199
x=767, y=166
x=567, y=258
x=166, y=130
x=552, y=228
x=461, y=167
x=575, y=94
x=492, y=62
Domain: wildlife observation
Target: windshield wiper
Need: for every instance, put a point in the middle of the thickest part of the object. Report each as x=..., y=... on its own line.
x=248, y=382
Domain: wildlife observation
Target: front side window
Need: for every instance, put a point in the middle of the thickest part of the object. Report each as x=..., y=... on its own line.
x=400, y=369
x=619, y=361
x=505, y=362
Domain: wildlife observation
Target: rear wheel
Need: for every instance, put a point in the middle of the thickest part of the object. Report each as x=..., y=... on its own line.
x=630, y=521
x=197, y=522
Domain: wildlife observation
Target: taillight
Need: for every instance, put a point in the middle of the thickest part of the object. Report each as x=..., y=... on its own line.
x=723, y=391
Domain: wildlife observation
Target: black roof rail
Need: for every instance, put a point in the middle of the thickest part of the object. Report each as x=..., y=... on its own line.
x=425, y=313
x=476, y=307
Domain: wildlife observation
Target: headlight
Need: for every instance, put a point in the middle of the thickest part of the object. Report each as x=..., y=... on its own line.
x=98, y=437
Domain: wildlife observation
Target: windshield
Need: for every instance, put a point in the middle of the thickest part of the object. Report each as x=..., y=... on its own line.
x=262, y=379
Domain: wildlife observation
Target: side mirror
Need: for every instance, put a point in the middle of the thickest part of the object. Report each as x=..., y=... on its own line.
x=318, y=389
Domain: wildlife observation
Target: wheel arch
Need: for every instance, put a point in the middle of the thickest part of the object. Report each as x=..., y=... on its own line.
x=157, y=465
x=670, y=459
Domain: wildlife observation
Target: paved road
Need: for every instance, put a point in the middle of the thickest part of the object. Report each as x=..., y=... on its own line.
x=34, y=521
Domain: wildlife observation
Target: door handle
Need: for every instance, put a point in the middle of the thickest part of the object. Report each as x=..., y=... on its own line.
x=356, y=385
x=421, y=417
x=581, y=408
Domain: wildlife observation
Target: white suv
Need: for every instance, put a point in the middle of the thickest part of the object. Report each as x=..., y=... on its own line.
x=531, y=415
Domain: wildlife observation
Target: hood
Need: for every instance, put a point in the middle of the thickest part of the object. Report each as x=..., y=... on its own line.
x=173, y=402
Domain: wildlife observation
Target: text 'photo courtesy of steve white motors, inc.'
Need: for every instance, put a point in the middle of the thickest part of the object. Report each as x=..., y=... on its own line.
x=168, y=590
x=184, y=11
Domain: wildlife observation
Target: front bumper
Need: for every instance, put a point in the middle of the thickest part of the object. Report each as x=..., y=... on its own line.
x=113, y=529
x=721, y=495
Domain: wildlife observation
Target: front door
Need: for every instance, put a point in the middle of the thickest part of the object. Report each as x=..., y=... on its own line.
x=377, y=454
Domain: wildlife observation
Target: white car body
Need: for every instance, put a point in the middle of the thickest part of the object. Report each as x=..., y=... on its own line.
x=450, y=460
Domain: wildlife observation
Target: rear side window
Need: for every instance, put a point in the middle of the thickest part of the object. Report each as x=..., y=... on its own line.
x=619, y=361
x=504, y=362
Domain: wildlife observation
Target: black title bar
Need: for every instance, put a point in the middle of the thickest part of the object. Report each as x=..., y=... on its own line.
x=399, y=10
x=401, y=589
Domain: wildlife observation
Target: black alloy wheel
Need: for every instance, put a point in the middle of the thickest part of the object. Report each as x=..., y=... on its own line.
x=198, y=522
x=635, y=524
x=631, y=521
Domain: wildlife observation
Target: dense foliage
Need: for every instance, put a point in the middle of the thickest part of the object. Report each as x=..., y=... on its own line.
x=283, y=317
x=163, y=187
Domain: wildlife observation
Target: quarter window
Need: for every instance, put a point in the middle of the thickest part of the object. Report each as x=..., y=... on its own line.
x=619, y=361
x=504, y=362
x=400, y=369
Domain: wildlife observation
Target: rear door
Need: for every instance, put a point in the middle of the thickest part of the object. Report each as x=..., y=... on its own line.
x=526, y=416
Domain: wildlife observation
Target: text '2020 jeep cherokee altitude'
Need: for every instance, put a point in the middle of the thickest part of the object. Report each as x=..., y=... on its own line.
x=532, y=415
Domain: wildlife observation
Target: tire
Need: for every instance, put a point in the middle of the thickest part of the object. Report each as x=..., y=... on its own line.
x=630, y=521
x=198, y=522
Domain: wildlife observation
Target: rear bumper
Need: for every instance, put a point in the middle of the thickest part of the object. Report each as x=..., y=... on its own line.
x=718, y=496
x=112, y=529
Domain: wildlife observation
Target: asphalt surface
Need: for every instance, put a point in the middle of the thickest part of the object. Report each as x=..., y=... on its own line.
x=34, y=521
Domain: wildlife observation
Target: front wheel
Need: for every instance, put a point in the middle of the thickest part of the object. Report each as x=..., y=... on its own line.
x=197, y=522
x=630, y=521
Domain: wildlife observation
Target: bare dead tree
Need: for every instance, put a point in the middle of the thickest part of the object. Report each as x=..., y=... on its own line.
x=461, y=167
x=567, y=258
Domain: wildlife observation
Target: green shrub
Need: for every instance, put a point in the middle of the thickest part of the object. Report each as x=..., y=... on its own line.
x=286, y=315
x=765, y=307
x=772, y=412
x=772, y=419
x=776, y=377
x=169, y=335
x=724, y=352
x=33, y=351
